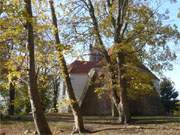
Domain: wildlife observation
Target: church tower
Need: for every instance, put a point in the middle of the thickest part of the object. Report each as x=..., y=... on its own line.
x=94, y=54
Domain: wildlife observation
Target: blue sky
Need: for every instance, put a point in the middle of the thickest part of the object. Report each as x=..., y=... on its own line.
x=174, y=75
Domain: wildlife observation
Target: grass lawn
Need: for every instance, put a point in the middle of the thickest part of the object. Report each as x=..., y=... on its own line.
x=62, y=125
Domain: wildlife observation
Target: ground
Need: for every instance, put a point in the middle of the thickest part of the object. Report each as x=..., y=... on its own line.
x=62, y=125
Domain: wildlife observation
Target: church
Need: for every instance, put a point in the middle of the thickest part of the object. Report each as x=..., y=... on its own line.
x=84, y=76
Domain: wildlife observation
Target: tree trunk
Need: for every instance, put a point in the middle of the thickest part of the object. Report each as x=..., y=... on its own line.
x=119, y=103
x=79, y=124
x=55, y=94
x=123, y=107
x=114, y=111
x=41, y=124
x=11, y=99
x=114, y=96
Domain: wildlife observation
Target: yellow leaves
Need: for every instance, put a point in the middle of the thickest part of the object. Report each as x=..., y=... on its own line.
x=15, y=1
x=168, y=31
x=4, y=86
x=139, y=26
x=10, y=30
x=140, y=83
x=43, y=82
x=43, y=78
x=13, y=72
x=10, y=65
x=34, y=2
x=142, y=12
x=13, y=76
x=141, y=86
x=122, y=47
x=105, y=26
x=99, y=90
x=39, y=28
x=54, y=30
x=66, y=102
x=63, y=49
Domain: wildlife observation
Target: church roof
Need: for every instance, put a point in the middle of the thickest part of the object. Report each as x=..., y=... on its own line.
x=143, y=67
x=85, y=66
x=82, y=66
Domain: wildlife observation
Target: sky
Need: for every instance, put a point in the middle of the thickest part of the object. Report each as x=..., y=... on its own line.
x=174, y=75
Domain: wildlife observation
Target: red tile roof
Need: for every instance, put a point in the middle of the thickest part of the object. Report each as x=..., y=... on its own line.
x=82, y=66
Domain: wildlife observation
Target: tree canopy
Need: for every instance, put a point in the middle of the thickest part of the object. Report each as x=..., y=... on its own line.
x=168, y=95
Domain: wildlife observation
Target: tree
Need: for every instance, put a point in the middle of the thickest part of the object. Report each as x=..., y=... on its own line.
x=168, y=95
x=5, y=71
x=11, y=33
x=55, y=84
x=37, y=110
x=132, y=29
x=14, y=57
x=11, y=99
x=79, y=125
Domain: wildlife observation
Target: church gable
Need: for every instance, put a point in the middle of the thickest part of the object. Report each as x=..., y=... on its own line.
x=85, y=93
x=82, y=66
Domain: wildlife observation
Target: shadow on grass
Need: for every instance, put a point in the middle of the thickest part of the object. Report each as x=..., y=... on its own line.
x=136, y=120
x=155, y=120
x=130, y=129
x=95, y=119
